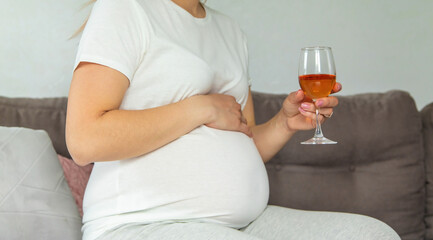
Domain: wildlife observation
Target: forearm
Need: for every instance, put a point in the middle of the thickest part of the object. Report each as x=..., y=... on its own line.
x=271, y=136
x=121, y=134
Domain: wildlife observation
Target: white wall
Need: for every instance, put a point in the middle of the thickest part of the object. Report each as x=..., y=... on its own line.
x=378, y=45
x=36, y=57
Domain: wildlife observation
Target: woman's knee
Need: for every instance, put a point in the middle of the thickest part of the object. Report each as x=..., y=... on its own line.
x=324, y=225
x=367, y=228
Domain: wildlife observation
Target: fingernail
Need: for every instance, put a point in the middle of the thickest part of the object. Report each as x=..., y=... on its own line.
x=319, y=103
x=302, y=110
x=305, y=105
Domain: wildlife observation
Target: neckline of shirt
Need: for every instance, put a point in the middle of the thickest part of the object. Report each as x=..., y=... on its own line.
x=189, y=15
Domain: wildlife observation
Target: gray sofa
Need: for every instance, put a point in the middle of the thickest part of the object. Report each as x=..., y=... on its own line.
x=382, y=165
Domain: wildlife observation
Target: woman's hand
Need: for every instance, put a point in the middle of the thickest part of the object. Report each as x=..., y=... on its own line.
x=225, y=113
x=299, y=113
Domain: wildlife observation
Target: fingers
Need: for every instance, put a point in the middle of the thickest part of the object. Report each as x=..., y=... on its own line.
x=326, y=112
x=298, y=103
x=238, y=107
x=243, y=119
x=328, y=115
x=309, y=107
x=296, y=97
x=228, y=115
x=245, y=129
x=292, y=103
x=311, y=115
x=309, y=111
x=337, y=87
x=327, y=102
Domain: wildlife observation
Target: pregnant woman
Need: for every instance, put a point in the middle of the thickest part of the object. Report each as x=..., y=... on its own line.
x=160, y=102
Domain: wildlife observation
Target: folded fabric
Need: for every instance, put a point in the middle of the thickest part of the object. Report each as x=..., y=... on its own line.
x=35, y=200
x=77, y=178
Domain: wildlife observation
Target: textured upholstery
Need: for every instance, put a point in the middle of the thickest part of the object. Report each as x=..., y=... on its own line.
x=376, y=168
x=37, y=113
x=427, y=121
x=35, y=200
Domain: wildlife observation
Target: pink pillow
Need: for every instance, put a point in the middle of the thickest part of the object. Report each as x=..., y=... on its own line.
x=77, y=178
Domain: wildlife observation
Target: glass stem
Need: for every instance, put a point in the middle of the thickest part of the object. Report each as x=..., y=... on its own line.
x=318, y=133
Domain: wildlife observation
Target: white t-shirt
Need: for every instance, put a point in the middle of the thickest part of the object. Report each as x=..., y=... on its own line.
x=207, y=175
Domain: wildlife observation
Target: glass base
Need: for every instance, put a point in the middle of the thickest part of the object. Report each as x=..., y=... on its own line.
x=319, y=140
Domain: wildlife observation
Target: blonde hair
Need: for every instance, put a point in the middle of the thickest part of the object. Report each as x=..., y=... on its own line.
x=79, y=30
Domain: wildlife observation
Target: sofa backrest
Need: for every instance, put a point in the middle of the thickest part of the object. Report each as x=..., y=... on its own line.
x=37, y=113
x=376, y=169
x=427, y=122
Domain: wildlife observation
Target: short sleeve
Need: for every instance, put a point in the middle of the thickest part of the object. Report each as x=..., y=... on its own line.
x=115, y=36
x=245, y=43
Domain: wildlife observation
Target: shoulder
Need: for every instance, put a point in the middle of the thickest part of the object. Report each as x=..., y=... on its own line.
x=226, y=22
x=116, y=8
x=120, y=5
x=222, y=18
x=116, y=13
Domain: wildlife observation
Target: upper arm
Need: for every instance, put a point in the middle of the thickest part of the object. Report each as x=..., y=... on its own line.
x=95, y=89
x=248, y=111
x=116, y=35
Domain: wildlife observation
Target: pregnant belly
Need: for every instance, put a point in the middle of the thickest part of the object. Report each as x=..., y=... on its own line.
x=206, y=175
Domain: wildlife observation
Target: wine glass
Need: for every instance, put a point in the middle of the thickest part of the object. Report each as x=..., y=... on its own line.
x=317, y=78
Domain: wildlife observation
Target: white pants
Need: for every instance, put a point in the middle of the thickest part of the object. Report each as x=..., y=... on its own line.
x=275, y=223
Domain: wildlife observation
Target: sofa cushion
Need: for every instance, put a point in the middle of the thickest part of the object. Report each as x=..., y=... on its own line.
x=77, y=178
x=48, y=114
x=427, y=122
x=376, y=169
x=35, y=200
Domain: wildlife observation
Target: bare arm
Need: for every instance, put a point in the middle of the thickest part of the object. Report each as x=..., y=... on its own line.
x=270, y=136
x=296, y=114
x=96, y=130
